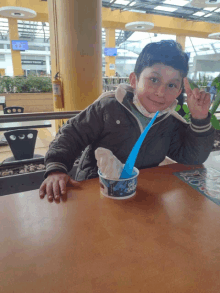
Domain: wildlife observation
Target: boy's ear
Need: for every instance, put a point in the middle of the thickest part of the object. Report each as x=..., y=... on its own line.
x=133, y=78
x=180, y=91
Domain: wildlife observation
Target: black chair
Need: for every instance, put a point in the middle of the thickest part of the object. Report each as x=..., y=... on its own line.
x=22, y=144
x=13, y=109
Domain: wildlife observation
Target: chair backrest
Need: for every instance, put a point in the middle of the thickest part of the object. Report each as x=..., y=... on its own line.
x=13, y=109
x=22, y=142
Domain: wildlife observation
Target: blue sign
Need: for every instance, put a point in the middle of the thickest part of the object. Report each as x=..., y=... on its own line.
x=18, y=45
x=110, y=51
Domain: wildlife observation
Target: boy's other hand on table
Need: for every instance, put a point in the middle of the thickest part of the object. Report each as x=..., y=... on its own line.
x=55, y=185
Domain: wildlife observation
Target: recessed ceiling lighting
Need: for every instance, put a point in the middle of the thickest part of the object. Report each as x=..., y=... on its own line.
x=17, y=12
x=208, y=15
x=210, y=8
x=139, y=26
x=204, y=49
x=218, y=10
x=164, y=8
x=178, y=3
x=212, y=2
x=199, y=13
x=122, y=2
x=214, y=36
x=139, y=11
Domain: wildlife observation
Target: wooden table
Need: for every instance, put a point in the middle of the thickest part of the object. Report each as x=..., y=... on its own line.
x=165, y=239
x=24, y=125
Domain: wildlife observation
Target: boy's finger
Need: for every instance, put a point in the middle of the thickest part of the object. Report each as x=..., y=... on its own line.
x=42, y=194
x=49, y=190
x=56, y=190
x=207, y=98
x=62, y=186
x=42, y=190
x=202, y=96
x=187, y=86
x=196, y=93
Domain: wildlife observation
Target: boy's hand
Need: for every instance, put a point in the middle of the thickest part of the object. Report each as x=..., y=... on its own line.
x=198, y=101
x=55, y=185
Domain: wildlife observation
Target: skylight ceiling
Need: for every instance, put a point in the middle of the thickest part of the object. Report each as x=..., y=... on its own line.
x=29, y=30
x=175, y=8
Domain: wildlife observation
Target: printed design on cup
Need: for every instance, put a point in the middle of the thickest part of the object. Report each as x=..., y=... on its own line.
x=104, y=189
x=118, y=188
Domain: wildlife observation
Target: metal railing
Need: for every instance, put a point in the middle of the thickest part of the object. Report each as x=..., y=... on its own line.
x=19, y=117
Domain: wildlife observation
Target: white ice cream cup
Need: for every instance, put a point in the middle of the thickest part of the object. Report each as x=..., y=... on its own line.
x=118, y=188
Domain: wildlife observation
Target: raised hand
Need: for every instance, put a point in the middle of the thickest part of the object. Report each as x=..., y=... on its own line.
x=198, y=101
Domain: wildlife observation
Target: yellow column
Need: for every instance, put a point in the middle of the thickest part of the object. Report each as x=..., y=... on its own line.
x=182, y=40
x=110, y=60
x=16, y=55
x=76, y=51
x=54, y=56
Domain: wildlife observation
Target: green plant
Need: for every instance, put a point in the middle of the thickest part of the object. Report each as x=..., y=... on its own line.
x=22, y=84
x=6, y=84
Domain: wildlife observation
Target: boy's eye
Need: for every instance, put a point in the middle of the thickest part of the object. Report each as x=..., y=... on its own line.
x=172, y=85
x=154, y=79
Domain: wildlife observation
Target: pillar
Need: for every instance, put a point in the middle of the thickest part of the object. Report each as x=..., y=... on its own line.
x=110, y=60
x=182, y=40
x=76, y=51
x=16, y=55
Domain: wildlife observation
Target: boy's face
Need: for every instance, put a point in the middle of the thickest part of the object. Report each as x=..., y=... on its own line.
x=157, y=87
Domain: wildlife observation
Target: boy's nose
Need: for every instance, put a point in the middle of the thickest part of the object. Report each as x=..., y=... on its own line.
x=160, y=91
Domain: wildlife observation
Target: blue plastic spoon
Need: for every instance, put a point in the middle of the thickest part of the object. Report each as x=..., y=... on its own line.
x=127, y=171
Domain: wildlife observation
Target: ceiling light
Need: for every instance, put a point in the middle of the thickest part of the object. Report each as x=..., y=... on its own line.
x=214, y=36
x=209, y=8
x=139, y=11
x=204, y=49
x=208, y=15
x=139, y=26
x=212, y=1
x=205, y=3
x=164, y=8
x=218, y=10
x=178, y=3
x=17, y=12
x=199, y=13
x=122, y=2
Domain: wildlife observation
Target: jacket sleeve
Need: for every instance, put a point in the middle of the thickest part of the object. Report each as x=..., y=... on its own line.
x=73, y=137
x=192, y=143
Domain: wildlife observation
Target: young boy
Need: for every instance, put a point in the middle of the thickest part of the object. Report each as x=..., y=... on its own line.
x=116, y=120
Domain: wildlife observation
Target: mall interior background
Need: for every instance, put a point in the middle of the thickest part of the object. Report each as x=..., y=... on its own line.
x=204, y=53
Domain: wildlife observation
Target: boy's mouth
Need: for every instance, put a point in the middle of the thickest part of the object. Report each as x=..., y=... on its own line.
x=156, y=103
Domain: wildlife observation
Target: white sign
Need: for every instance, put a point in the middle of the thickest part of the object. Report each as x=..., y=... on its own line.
x=112, y=66
x=56, y=89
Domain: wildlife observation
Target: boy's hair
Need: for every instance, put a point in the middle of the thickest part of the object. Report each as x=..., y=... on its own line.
x=167, y=52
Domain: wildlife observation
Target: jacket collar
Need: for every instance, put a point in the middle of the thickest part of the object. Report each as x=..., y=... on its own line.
x=121, y=92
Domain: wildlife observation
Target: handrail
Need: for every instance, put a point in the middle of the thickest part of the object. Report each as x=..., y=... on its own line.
x=19, y=117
